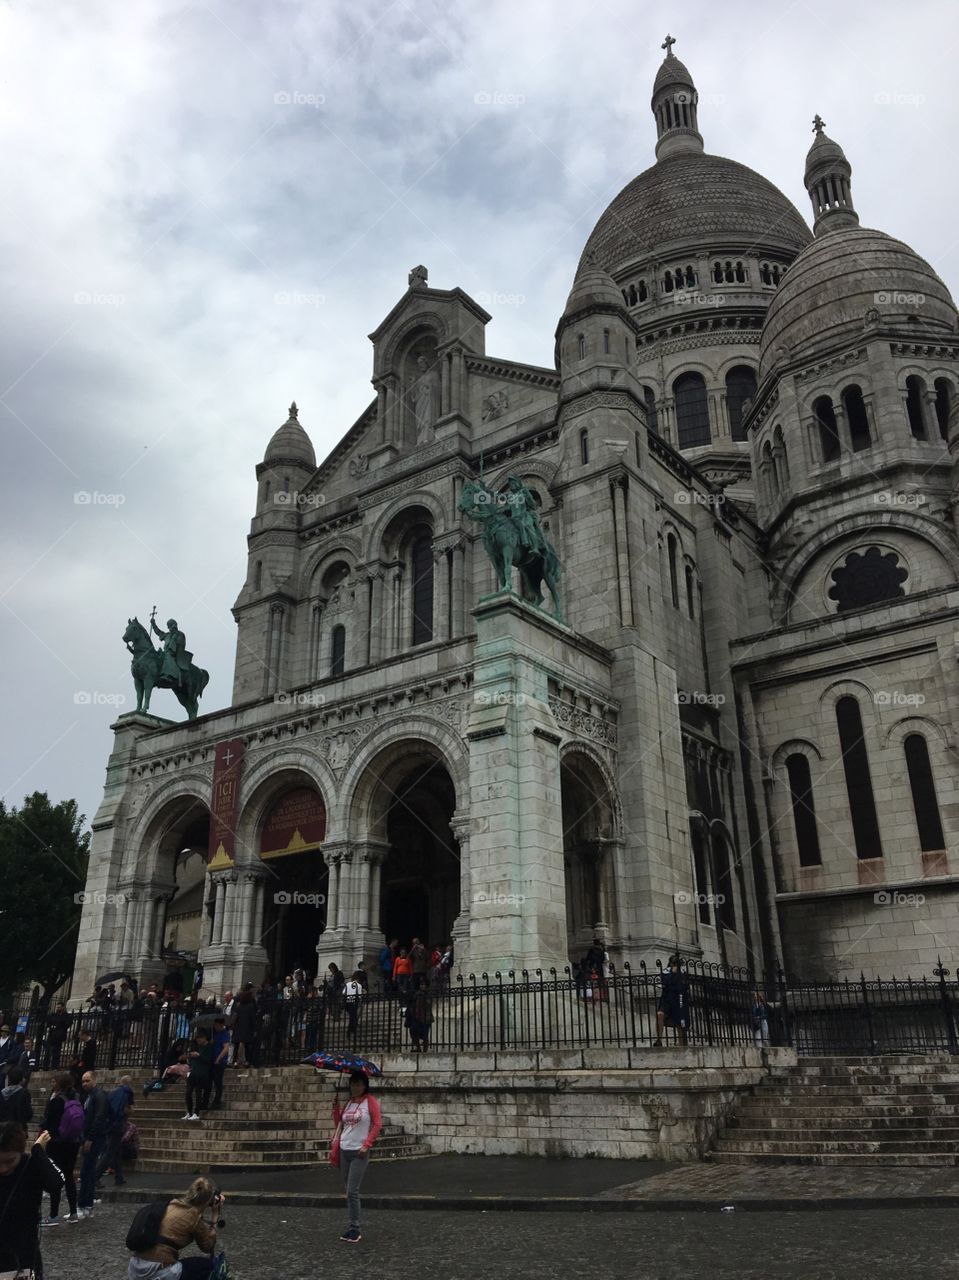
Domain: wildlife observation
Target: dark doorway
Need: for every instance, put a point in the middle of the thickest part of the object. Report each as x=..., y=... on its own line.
x=421, y=875
x=294, y=911
x=407, y=913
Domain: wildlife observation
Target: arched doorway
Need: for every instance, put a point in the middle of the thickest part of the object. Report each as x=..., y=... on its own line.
x=413, y=801
x=294, y=904
x=588, y=841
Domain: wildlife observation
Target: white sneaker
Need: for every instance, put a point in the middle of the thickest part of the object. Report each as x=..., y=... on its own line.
x=186, y=1117
x=193, y=1117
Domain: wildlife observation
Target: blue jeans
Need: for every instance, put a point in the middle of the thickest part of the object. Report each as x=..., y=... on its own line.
x=353, y=1165
x=88, y=1171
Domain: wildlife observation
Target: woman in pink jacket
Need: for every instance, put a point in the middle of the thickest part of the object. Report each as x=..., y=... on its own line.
x=358, y=1126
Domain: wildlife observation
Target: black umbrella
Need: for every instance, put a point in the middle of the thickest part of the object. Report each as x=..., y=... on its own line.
x=114, y=977
x=205, y=1019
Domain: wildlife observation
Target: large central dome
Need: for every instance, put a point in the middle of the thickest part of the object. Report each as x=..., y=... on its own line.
x=698, y=200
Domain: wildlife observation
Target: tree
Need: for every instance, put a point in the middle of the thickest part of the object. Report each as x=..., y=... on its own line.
x=43, y=871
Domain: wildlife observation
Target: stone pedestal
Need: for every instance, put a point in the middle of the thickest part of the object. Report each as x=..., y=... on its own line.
x=517, y=908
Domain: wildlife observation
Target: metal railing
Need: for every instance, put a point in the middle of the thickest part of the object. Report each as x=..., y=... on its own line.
x=539, y=1010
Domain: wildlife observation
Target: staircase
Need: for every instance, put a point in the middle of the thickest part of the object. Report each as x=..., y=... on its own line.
x=879, y=1112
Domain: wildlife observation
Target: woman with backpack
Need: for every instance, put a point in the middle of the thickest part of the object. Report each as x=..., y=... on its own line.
x=161, y=1230
x=63, y=1120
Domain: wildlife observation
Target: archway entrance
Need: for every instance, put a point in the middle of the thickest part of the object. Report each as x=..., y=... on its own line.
x=588, y=838
x=294, y=902
x=420, y=887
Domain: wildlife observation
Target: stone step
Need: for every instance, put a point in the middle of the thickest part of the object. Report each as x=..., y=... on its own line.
x=174, y=1143
x=882, y=1161
x=808, y=1106
x=839, y=1092
x=857, y=1146
x=827, y=1133
x=188, y=1166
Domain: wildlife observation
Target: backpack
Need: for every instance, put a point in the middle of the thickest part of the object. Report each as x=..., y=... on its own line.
x=71, y=1122
x=144, y=1233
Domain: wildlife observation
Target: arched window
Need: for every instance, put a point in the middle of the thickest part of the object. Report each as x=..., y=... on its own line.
x=767, y=471
x=718, y=272
x=943, y=405
x=855, y=408
x=780, y=460
x=740, y=273
x=584, y=446
x=725, y=897
x=855, y=763
x=804, y=810
x=338, y=650
x=668, y=282
x=740, y=387
x=825, y=416
x=258, y=575
x=923, y=787
x=421, y=566
x=692, y=410
x=606, y=342
x=652, y=417
x=673, y=578
x=690, y=592
x=915, y=406
x=643, y=291
x=581, y=346
x=700, y=873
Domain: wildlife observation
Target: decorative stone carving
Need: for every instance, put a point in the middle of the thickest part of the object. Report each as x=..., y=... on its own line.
x=576, y=720
x=495, y=405
x=359, y=465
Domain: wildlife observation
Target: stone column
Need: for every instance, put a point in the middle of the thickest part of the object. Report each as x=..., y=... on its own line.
x=333, y=891
x=345, y=907
x=160, y=928
x=441, y=596
x=376, y=886
x=316, y=617
x=396, y=610
x=461, y=825
x=458, y=585
x=129, y=921
x=217, y=935
x=146, y=930
x=376, y=617
x=457, y=383
x=444, y=385
x=361, y=911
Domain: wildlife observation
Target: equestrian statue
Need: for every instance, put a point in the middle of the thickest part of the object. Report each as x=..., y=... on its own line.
x=168, y=668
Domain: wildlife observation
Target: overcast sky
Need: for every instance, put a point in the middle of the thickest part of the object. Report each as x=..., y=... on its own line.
x=207, y=207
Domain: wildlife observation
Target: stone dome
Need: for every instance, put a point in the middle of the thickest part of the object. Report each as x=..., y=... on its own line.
x=836, y=281
x=290, y=443
x=672, y=72
x=593, y=287
x=698, y=200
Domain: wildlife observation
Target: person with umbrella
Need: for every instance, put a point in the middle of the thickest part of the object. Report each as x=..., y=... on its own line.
x=358, y=1125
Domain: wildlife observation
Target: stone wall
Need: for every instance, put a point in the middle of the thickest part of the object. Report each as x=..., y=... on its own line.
x=629, y=1103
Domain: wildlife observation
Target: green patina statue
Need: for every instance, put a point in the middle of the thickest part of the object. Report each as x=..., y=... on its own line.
x=512, y=535
x=169, y=668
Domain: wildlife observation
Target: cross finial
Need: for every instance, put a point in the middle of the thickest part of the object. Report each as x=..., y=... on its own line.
x=668, y=45
x=418, y=276
x=293, y=410
x=818, y=124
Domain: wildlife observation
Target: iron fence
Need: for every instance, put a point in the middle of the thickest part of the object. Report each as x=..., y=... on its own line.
x=539, y=1010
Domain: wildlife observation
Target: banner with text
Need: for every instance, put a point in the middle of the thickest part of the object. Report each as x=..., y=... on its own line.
x=223, y=806
x=296, y=822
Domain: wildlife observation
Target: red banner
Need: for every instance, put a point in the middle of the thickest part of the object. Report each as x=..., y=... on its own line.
x=296, y=822
x=223, y=806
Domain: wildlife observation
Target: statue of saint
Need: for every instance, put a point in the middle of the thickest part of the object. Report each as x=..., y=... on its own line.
x=521, y=502
x=424, y=398
x=176, y=657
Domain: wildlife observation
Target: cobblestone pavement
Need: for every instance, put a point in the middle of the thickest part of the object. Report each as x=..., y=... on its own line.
x=277, y=1244
x=742, y=1183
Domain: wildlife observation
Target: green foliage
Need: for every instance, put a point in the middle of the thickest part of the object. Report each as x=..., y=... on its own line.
x=43, y=870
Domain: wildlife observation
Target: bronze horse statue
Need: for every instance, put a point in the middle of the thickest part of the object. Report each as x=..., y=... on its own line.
x=147, y=666
x=512, y=536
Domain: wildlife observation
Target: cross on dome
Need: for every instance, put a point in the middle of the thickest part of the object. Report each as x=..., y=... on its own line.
x=668, y=45
x=293, y=410
x=818, y=124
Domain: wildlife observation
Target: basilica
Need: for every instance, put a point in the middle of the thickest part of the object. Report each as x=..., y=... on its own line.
x=731, y=729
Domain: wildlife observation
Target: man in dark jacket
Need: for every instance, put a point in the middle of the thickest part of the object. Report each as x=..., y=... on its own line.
x=15, y=1104
x=119, y=1102
x=8, y=1048
x=96, y=1122
x=86, y=1059
x=23, y=1180
x=57, y=1026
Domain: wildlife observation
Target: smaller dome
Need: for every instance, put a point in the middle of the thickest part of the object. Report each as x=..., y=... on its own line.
x=290, y=443
x=593, y=287
x=673, y=74
x=842, y=280
x=823, y=152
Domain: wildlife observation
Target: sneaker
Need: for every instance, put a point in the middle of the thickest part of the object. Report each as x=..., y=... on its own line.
x=352, y=1236
x=74, y=1217
x=193, y=1117
x=83, y=1214
x=186, y=1117
x=50, y=1222
x=97, y=1201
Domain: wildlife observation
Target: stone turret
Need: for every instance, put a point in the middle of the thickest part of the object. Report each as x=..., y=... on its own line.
x=674, y=104
x=828, y=180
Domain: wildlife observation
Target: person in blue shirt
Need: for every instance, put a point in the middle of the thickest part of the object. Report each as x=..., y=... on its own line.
x=221, y=1059
x=119, y=1102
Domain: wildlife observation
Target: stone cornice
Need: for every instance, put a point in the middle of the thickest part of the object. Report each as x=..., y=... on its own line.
x=529, y=373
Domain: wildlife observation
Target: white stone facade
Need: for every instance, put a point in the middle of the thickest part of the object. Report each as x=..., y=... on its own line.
x=735, y=566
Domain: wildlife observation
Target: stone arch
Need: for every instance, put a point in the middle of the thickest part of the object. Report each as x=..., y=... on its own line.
x=543, y=471
x=804, y=746
x=174, y=805
x=592, y=845
x=343, y=548
x=419, y=325
x=375, y=548
x=265, y=781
